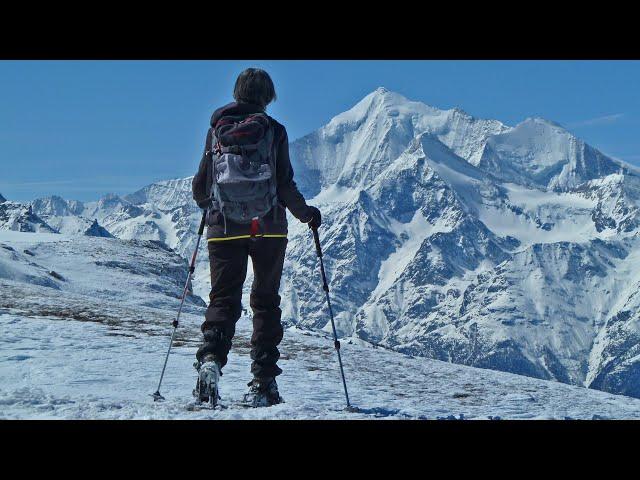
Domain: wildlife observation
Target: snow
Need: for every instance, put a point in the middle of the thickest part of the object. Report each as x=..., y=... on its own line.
x=95, y=351
x=532, y=198
x=70, y=224
x=380, y=98
x=415, y=232
x=334, y=194
x=543, y=154
x=103, y=269
x=569, y=213
x=30, y=238
x=355, y=146
x=58, y=368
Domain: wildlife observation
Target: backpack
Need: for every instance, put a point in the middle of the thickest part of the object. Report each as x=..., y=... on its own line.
x=243, y=170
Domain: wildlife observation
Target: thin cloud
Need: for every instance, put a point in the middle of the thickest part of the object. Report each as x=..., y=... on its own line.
x=604, y=120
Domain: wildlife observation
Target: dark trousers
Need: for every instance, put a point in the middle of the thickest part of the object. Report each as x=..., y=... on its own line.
x=228, y=260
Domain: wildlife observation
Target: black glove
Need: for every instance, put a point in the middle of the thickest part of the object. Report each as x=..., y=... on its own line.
x=315, y=217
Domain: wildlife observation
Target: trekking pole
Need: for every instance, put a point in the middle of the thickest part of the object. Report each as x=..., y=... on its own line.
x=156, y=396
x=325, y=287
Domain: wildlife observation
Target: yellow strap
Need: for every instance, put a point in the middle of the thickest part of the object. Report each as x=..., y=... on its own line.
x=223, y=239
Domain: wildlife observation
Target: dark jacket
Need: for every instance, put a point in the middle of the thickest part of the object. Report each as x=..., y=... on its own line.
x=288, y=194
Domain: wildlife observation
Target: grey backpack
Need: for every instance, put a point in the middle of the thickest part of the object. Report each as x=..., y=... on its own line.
x=243, y=169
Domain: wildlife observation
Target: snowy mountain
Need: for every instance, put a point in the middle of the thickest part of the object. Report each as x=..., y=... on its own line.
x=56, y=206
x=90, y=341
x=506, y=252
x=160, y=212
x=51, y=215
x=19, y=217
x=449, y=237
x=357, y=145
x=542, y=154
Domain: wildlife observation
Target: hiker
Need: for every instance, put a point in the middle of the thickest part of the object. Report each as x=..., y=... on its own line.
x=248, y=151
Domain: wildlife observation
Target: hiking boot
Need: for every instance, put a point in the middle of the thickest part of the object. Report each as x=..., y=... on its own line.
x=263, y=393
x=206, y=390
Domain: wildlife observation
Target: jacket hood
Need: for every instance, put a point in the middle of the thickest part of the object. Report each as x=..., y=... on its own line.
x=234, y=108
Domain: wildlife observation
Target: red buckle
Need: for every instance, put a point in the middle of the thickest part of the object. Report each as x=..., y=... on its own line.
x=254, y=227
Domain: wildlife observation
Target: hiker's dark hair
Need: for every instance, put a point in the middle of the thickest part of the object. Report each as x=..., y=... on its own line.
x=255, y=86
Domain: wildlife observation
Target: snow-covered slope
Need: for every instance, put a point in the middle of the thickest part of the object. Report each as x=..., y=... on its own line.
x=446, y=236
x=162, y=212
x=142, y=273
x=90, y=344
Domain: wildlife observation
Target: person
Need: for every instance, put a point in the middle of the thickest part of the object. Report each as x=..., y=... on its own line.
x=234, y=234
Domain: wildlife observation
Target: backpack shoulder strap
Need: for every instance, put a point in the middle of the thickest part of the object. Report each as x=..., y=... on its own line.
x=209, y=143
x=212, y=145
x=273, y=160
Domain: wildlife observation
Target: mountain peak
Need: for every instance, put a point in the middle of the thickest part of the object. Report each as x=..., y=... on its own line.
x=54, y=198
x=380, y=103
x=542, y=122
x=110, y=196
x=385, y=102
x=542, y=153
x=2, y=199
x=110, y=201
x=384, y=96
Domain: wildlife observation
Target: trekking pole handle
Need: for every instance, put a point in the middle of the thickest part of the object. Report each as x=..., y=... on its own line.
x=316, y=238
x=203, y=221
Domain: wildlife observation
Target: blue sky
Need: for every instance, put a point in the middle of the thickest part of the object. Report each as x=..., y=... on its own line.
x=81, y=129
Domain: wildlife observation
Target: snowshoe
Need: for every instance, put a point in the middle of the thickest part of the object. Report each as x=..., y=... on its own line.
x=262, y=393
x=206, y=390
